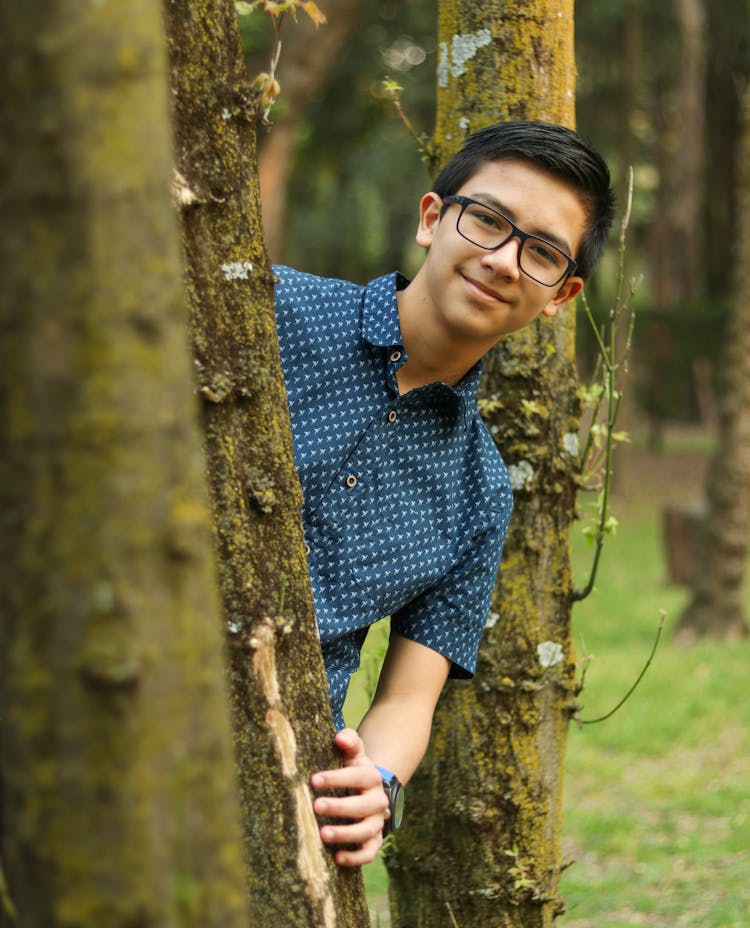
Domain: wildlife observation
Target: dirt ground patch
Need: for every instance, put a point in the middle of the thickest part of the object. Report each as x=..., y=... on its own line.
x=671, y=475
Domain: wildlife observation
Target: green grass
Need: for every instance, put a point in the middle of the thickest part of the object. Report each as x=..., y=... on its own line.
x=657, y=807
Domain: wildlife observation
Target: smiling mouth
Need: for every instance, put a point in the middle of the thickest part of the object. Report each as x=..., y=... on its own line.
x=485, y=291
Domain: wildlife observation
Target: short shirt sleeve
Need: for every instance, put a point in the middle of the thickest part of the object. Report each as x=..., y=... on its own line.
x=450, y=616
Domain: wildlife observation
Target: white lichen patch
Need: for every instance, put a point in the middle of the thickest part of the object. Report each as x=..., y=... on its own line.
x=570, y=444
x=549, y=653
x=520, y=474
x=237, y=270
x=181, y=191
x=452, y=62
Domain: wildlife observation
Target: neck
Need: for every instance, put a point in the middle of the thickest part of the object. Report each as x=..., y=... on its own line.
x=433, y=354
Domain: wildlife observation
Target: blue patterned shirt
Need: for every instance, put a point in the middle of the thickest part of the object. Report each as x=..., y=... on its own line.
x=406, y=498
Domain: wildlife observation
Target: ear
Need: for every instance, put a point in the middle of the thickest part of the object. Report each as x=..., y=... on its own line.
x=568, y=291
x=429, y=217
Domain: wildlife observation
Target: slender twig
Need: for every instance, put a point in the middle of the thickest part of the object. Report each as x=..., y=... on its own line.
x=611, y=367
x=6, y=903
x=454, y=923
x=641, y=675
x=393, y=90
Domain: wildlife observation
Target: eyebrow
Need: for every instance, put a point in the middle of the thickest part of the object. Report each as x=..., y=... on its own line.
x=507, y=211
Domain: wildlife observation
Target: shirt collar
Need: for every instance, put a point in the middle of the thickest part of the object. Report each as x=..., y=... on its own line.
x=381, y=327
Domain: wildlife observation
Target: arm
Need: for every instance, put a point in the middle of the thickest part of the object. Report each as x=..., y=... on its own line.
x=396, y=729
x=394, y=734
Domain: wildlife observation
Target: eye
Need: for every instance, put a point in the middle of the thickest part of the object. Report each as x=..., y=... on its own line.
x=544, y=252
x=486, y=218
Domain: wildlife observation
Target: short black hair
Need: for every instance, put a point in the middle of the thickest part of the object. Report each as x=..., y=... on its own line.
x=555, y=149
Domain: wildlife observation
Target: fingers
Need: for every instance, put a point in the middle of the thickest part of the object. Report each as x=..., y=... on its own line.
x=372, y=802
x=355, y=819
x=361, y=777
x=359, y=856
x=356, y=833
x=350, y=746
x=362, y=837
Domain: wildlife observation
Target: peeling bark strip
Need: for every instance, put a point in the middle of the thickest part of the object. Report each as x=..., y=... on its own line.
x=310, y=855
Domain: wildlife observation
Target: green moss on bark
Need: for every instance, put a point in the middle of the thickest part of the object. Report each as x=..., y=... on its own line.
x=255, y=494
x=483, y=830
x=115, y=730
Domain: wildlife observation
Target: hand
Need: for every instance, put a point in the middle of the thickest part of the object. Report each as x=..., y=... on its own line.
x=364, y=807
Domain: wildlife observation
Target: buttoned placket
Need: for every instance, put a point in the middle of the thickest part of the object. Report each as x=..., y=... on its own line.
x=392, y=415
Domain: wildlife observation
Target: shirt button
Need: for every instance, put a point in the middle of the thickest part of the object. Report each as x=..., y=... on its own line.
x=392, y=415
x=351, y=481
x=395, y=356
x=307, y=549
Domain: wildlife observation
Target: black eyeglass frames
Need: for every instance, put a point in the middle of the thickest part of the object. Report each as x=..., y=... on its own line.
x=489, y=229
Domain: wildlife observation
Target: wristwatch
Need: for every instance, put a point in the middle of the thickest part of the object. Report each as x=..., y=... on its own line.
x=395, y=793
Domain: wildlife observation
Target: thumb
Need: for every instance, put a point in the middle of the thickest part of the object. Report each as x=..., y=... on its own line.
x=350, y=745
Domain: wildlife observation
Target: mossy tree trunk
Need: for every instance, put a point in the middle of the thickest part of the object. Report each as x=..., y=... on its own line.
x=717, y=607
x=119, y=799
x=282, y=718
x=484, y=819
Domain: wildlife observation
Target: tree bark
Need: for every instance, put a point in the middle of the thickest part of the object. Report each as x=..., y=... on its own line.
x=717, y=607
x=282, y=718
x=482, y=841
x=116, y=737
x=680, y=260
x=728, y=67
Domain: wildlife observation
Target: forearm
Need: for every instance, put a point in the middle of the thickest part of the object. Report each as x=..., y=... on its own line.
x=396, y=729
x=396, y=734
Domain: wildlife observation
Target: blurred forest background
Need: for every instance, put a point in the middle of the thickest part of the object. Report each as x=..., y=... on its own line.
x=659, y=88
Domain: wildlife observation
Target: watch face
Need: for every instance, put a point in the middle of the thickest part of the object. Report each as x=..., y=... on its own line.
x=397, y=804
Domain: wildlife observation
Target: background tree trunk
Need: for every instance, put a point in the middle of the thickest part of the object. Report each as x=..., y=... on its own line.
x=483, y=830
x=717, y=607
x=307, y=55
x=282, y=717
x=680, y=260
x=727, y=69
x=116, y=739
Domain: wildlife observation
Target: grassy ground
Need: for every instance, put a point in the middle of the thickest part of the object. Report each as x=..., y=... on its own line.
x=657, y=798
x=657, y=820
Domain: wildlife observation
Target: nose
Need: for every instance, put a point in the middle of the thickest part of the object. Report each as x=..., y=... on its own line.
x=504, y=260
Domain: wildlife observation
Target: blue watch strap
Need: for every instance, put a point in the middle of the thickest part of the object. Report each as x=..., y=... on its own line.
x=387, y=775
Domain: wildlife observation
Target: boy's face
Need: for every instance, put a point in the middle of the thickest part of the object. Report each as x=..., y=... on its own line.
x=481, y=295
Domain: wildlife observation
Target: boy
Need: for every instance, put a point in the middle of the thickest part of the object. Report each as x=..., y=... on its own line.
x=407, y=501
